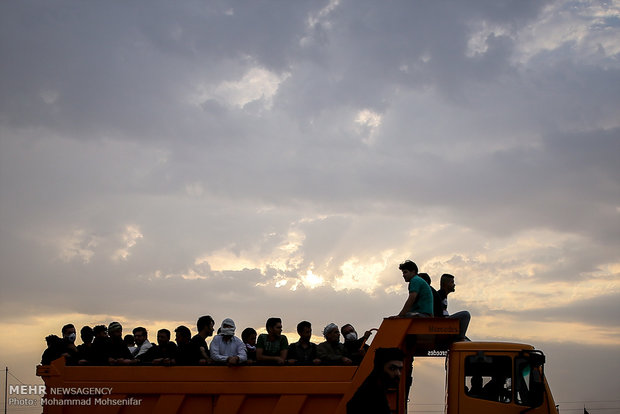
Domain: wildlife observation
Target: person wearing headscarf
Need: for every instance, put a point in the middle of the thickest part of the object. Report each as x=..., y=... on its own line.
x=331, y=351
x=226, y=347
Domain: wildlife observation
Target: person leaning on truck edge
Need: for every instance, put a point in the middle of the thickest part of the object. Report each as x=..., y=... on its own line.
x=303, y=352
x=370, y=397
x=356, y=347
x=204, y=325
x=272, y=347
x=420, y=299
x=226, y=347
x=332, y=351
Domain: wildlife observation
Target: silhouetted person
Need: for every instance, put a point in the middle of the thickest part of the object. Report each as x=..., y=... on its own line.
x=447, y=287
x=141, y=337
x=117, y=351
x=85, y=350
x=476, y=386
x=248, y=336
x=303, y=352
x=437, y=309
x=205, y=326
x=272, y=347
x=188, y=352
x=54, y=350
x=420, y=299
x=370, y=397
x=99, y=349
x=353, y=344
x=163, y=353
x=332, y=351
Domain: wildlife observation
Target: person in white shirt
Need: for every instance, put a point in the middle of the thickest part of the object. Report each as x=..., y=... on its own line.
x=226, y=347
x=142, y=343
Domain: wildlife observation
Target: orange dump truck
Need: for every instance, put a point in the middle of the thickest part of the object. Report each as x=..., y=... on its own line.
x=513, y=371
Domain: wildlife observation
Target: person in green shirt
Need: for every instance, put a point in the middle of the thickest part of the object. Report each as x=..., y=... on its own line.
x=272, y=347
x=420, y=299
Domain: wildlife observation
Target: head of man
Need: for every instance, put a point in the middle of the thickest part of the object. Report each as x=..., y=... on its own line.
x=348, y=332
x=227, y=330
x=331, y=333
x=163, y=337
x=140, y=335
x=248, y=336
x=274, y=327
x=205, y=326
x=52, y=340
x=425, y=277
x=183, y=335
x=100, y=332
x=447, y=283
x=304, y=329
x=87, y=334
x=115, y=330
x=68, y=332
x=129, y=340
x=388, y=365
x=409, y=269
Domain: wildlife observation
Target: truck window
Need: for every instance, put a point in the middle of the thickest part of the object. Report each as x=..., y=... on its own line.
x=489, y=377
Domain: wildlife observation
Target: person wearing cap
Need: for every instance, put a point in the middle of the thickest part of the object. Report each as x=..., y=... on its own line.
x=370, y=397
x=226, y=347
x=332, y=351
x=116, y=350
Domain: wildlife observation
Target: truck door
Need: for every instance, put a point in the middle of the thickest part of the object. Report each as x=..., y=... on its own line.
x=496, y=382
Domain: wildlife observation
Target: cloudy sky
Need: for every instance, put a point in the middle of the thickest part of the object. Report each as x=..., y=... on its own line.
x=160, y=161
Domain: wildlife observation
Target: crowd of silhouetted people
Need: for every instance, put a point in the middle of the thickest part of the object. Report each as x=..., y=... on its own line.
x=106, y=345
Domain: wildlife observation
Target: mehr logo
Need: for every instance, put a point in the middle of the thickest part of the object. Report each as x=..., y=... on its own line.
x=26, y=389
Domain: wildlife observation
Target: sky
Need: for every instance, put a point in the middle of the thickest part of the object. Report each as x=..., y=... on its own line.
x=160, y=161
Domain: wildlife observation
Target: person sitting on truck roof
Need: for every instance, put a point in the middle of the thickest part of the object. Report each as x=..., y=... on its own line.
x=437, y=309
x=355, y=347
x=163, y=352
x=448, y=286
x=205, y=329
x=248, y=336
x=419, y=303
x=272, y=347
x=116, y=349
x=142, y=342
x=370, y=397
x=331, y=351
x=226, y=347
x=188, y=352
x=303, y=352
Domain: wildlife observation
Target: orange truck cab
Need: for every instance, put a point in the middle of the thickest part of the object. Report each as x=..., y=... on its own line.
x=482, y=377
